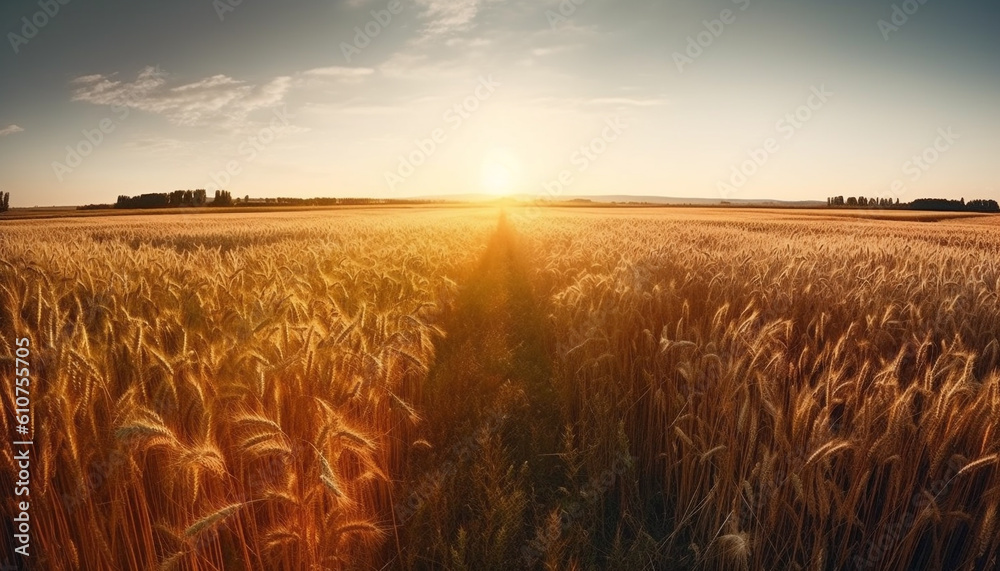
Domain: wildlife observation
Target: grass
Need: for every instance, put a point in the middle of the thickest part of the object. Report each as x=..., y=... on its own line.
x=569, y=389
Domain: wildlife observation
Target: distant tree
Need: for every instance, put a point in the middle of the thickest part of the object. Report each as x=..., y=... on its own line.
x=852, y=201
x=222, y=198
x=4, y=201
x=155, y=200
x=176, y=198
x=983, y=206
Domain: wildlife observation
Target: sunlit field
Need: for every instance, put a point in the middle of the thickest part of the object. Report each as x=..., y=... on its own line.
x=471, y=389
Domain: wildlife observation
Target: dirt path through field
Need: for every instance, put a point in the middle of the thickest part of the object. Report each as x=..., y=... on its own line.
x=494, y=356
x=488, y=478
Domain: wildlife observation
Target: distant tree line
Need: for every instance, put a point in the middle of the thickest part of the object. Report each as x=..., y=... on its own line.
x=283, y=201
x=955, y=205
x=861, y=202
x=175, y=199
x=4, y=201
x=197, y=198
x=931, y=204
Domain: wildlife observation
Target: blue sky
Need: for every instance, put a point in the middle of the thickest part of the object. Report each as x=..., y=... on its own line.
x=712, y=99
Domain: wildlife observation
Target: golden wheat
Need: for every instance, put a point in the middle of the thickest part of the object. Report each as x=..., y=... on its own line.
x=585, y=389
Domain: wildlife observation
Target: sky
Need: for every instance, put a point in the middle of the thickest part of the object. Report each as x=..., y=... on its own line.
x=718, y=99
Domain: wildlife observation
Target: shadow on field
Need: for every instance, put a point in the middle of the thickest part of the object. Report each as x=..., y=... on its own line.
x=495, y=345
x=492, y=422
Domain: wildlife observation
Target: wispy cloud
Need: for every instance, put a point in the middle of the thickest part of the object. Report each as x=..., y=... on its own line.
x=609, y=102
x=629, y=101
x=10, y=130
x=158, y=145
x=550, y=50
x=219, y=100
x=449, y=17
x=350, y=74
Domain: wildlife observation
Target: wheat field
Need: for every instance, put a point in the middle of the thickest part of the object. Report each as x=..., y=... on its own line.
x=575, y=388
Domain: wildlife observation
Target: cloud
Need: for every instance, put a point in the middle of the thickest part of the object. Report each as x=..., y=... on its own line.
x=217, y=101
x=102, y=89
x=158, y=145
x=448, y=17
x=550, y=50
x=629, y=101
x=612, y=102
x=353, y=107
x=340, y=73
x=10, y=130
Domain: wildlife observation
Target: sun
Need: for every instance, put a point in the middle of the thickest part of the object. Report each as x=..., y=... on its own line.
x=497, y=179
x=499, y=174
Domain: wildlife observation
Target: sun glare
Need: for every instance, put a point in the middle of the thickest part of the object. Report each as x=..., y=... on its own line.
x=500, y=172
